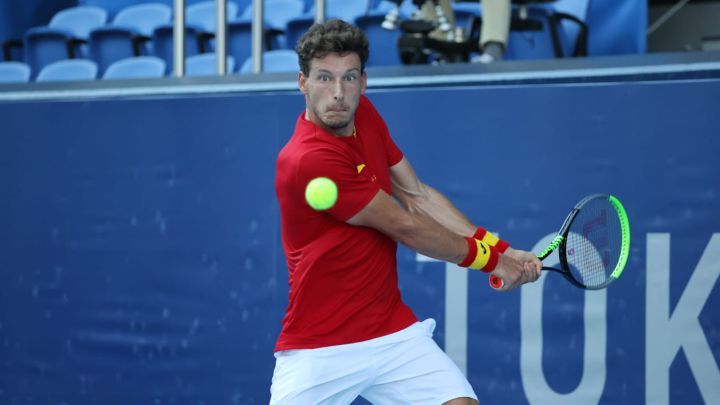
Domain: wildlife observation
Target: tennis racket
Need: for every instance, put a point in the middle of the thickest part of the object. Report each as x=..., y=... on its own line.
x=593, y=244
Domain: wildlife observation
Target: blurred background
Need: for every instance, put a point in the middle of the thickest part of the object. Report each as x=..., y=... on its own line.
x=140, y=252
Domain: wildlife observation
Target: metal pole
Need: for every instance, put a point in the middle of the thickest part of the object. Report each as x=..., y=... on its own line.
x=221, y=37
x=179, y=38
x=257, y=35
x=319, y=11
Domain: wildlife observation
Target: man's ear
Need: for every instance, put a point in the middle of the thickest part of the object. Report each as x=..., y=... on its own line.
x=302, y=82
x=364, y=83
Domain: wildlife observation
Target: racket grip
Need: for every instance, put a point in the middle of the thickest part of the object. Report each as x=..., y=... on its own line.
x=496, y=282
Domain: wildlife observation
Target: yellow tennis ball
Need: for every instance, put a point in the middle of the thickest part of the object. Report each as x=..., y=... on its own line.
x=321, y=193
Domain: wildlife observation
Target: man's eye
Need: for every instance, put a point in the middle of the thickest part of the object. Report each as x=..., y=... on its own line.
x=324, y=78
x=350, y=78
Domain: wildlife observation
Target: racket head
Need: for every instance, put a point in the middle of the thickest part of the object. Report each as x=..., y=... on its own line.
x=595, y=242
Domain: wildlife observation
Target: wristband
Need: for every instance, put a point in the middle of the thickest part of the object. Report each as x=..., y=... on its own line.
x=490, y=239
x=481, y=256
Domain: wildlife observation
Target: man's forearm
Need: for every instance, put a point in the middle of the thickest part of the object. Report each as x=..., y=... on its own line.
x=433, y=203
x=427, y=236
x=415, y=229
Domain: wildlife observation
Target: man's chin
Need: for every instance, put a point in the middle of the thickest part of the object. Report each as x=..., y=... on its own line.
x=336, y=125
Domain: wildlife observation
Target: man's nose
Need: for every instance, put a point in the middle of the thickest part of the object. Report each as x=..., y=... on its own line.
x=338, y=91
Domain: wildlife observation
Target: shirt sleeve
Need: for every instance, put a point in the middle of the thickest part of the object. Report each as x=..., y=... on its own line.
x=354, y=191
x=393, y=154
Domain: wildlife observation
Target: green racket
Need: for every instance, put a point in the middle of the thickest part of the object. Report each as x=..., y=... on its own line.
x=593, y=244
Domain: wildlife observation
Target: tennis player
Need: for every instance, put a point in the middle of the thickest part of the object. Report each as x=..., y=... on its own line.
x=346, y=331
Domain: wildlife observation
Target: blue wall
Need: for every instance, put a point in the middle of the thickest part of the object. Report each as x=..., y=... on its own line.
x=140, y=259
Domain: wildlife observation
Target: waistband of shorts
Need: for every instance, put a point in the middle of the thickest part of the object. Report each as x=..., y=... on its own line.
x=424, y=328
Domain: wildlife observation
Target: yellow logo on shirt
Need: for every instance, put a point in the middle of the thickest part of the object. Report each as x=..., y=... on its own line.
x=360, y=168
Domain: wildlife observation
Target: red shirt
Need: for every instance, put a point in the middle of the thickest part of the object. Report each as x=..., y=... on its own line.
x=343, y=278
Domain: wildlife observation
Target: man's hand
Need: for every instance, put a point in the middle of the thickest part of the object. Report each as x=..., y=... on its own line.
x=517, y=267
x=525, y=257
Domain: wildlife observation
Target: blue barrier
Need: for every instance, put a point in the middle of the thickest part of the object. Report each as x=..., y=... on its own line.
x=140, y=259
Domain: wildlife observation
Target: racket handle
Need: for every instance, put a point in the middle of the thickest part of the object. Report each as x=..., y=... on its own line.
x=496, y=282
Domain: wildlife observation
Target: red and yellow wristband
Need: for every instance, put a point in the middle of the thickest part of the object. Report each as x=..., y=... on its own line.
x=492, y=240
x=481, y=256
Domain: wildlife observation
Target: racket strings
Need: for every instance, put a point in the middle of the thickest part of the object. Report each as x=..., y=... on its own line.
x=594, y=243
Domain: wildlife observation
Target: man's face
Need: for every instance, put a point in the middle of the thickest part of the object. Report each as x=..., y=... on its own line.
x=332, y=91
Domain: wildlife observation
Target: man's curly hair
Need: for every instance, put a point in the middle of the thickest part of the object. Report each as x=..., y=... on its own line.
x=333, y=36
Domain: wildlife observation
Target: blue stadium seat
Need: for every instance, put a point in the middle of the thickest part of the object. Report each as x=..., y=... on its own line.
x=162, y=40
x=206, y=65
x=42, y=48
x=346, y=10
x=471, y=7
x=128, y=34
x=617, y=27
x=115, y=6
x=63, y=37
x=613, y=28
x=203, y=15
x=135, y=68
x=142, y=19
x=407, y=8
x=296, y=28
x=280, y=60
x=343, y=9
x=544, y=34
x=383, y=43
x=239, y=39
x=533, y=39
x=277, y=13
x=79, y=21
x=68, y=70
x=382, y=6
x=14, y=72
x=309, y=4
x=109, y=44
x=201, y=21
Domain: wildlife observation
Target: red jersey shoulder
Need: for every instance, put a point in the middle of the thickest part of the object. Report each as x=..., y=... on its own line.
x=366, y=106
x=323, y=161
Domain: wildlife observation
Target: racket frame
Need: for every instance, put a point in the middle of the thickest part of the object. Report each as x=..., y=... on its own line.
x=559, y=243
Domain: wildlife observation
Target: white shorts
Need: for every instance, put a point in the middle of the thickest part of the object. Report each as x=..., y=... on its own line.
x=406, y=367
